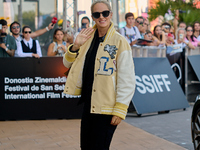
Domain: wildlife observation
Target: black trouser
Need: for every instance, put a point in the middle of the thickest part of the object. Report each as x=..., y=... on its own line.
x=96, y=131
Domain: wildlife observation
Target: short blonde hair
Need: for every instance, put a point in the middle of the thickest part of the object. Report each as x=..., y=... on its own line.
x=101, y=1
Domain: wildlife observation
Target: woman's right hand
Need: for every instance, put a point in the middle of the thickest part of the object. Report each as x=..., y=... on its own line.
x=81, y=38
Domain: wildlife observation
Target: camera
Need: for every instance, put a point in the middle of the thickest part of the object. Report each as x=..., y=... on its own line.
x=83, y=25
x=2, y=35
x=180, y=36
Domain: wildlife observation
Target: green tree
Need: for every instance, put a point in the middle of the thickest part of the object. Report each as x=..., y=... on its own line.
x=189, y=16
x=29, y=19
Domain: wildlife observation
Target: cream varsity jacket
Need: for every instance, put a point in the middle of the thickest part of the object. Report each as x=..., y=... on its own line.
x=114, y=75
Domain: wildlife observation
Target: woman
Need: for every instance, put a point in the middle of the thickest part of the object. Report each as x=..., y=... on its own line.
x=196, y=27
x=69, y=36
x=102, y=71
x=28, y=47
x=159, y=35
x=180, y=39
x=58, y=47
x=190, y=37
x=149, y=36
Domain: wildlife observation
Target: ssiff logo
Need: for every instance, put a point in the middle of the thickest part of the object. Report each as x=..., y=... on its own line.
x=152, y=83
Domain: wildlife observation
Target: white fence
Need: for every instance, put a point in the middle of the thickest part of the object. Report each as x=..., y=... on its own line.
x=191, y=85
x=148, y=51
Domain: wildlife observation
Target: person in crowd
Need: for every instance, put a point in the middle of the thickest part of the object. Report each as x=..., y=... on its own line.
x=172, y=32
x=141, y=24
x=159, y=35
x=130, y=32
x=7, y=42
x=139, y=21
x=69, y=27
x=166, y=27
x=190, y=37
x=69, y=36
x=59, y=46
x=28, y=47
x=196, y=27
x=85, y=23
x=146, y=24
x=68, y=24
x=149, y=36
x=102, y=71
x=176, y=22
x=180, y=39
x=15, y=29
x=182, y=25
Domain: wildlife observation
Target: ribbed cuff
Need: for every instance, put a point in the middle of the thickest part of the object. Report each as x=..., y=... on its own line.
x=120, y=110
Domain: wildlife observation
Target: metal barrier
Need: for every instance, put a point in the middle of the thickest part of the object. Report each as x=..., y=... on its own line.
x=190, y=86
x=153, y=51
x=148, y=51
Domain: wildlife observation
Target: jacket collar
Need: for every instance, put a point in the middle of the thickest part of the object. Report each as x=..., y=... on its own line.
x=110, y=31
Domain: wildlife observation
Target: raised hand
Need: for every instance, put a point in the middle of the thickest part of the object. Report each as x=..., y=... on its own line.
x=81, y=38
x=51, y=26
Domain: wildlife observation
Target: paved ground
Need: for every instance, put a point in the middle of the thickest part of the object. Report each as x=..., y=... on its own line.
x=174, y=126
x=64, y=135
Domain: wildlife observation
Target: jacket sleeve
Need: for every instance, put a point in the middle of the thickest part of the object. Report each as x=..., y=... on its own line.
x=69, y=57
x=125, y=81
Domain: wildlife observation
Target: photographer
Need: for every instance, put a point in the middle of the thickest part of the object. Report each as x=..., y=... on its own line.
x=7, y=42
x=181, y=39
x=85, y=23
x=166, y=27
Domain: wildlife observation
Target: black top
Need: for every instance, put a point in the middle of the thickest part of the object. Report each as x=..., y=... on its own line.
x=88, y=70
x=26, y=49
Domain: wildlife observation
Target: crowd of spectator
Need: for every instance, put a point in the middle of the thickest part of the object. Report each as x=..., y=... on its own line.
x=135, y=31
x=162, y=35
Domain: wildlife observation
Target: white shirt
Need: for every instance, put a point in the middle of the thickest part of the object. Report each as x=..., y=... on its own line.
x=183, y=44
x=19, y=52
x=131, y=34
x=19, y=38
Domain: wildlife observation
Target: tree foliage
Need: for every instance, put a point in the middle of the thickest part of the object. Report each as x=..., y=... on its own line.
x=29, y=19
x=190, y=15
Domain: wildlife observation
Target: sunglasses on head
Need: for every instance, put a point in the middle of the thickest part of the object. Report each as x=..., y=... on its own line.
x=15, y=27
x=27, y=32
x=167, y=27
x=96, y=15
